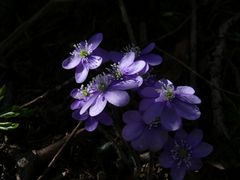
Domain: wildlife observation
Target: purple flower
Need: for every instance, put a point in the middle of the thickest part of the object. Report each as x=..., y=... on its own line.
x=150, y=58
x=91, y=123
x=84, y=58
x=170, y=104
x=81, y=96
x=184, y=153
x=143, y=136
x=145, y=55
x=127, y=67
x=105, y=89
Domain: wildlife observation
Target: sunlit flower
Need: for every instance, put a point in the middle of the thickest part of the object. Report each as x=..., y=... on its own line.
x=127, y=67
x=151, y=59
x=104, y=89
x=84, y=58
x=170, y=104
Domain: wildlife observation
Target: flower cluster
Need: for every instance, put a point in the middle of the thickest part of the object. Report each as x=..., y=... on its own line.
x=160, y=113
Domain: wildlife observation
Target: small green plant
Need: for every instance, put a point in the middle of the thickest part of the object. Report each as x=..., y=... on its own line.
x=5, y=116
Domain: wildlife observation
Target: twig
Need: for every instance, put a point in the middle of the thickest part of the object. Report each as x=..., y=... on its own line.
x=197, y=74
x=68, y=138
x=142, y=32
x=237, y=75
x=127, y=22
x=46, y=93
x=63, y=175
x=48, y=152
x=6, y=43
x=174, y=30
x=150, y=167
x=27, y=163
x=193, y=42
x=215, y=72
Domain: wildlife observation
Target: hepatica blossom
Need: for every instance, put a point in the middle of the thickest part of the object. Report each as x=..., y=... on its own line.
x=101, y=93
x=162, y=108
x=170, y=104
x=105, y=89
x=143, y=136
x=126, y=68
x=109, y=87
x=150, y=59
x=81, y=96
x=83, y=57
x=184, y=153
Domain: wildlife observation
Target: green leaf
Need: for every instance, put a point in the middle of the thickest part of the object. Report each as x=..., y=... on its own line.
x=106, y=146
x=166, y=14
x=9, y=115
x=25, y=112
x=2, y=92
x=1, y=98
x=8, y=125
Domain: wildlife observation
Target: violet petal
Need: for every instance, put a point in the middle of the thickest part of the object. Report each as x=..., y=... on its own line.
x=186, y=110
x=148, y=48
x=127, y=60
x=195, y=137
x=81, y=73
x=166, y=160
x=91, y=124
x=71, y=62
x=152, y=59
x=117, y=98
x=104, y=119
x=131, y=116
x=202, y=150
x=177, y=173
x=95, y=40
x=132, y=130
x=94, y=62
x=170, y=120
x=98, y=106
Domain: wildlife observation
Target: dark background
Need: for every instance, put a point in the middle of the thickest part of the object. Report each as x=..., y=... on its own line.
x=36, y=36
